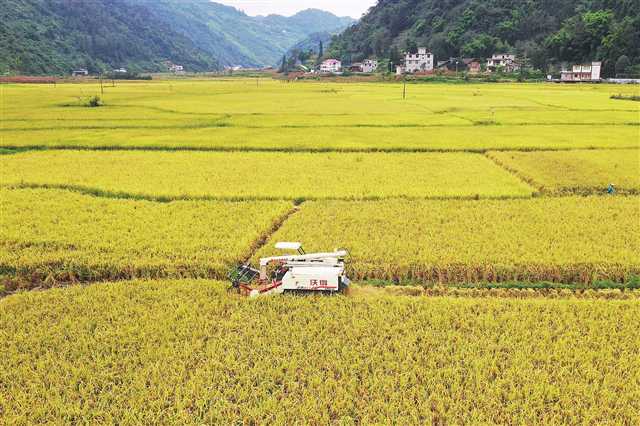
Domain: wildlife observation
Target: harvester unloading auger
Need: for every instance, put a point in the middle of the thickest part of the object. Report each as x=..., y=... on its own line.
x=301, y=272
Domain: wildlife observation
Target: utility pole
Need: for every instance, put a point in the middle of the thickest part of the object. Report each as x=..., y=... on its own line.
x=101, y=87
x=404, y=87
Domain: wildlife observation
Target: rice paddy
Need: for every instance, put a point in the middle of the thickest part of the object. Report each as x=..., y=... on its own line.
x=260, y=175
x=187, y=352
x=576, y=172
x=242, y=115
x=490, y=200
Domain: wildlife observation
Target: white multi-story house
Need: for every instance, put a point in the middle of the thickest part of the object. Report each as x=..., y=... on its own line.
x=369, y=65
x=504, y=62
x=417, y=62
x=331, y=66
x=176, y=68
x=582, y=73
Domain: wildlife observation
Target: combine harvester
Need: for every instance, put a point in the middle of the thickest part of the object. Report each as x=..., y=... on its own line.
x=302, y=272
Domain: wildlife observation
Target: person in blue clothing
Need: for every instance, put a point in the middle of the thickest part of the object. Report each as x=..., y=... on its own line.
x=611, y=189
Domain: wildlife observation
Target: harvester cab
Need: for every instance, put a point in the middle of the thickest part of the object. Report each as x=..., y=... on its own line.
x=300, y=272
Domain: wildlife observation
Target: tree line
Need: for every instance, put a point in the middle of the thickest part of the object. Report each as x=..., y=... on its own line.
x=547, y=32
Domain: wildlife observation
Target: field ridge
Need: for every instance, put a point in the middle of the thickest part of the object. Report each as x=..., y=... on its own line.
x=14, y=149
x=221, y=124
x=122, y=195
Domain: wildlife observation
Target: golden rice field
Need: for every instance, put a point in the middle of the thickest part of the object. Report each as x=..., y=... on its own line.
x=464, y=138
x=469, y=192
x=185, y=352
x=576, y=172
x=54, y=236
x=261, y=175
x=240, y=114
x=572, y=239
x=57, y=236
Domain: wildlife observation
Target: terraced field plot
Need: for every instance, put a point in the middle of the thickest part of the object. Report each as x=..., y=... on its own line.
x=189, y=353
x=576, y=172
x=391, y=138
x=257, y=175
x=52, y=236
x=218, y=114
x=574, y=239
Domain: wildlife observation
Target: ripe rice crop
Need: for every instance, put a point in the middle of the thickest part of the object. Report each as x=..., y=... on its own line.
x=52, y=236
x=626, y=292
x=256, y=175
x=574, y=239
x=576, y=172
x=238, y=114
x=218, y=137
x=188, y=353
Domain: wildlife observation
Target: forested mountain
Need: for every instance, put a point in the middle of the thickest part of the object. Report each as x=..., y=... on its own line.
x=238, y=39
x=54, y=36
x=311, y=44
x=547, y=31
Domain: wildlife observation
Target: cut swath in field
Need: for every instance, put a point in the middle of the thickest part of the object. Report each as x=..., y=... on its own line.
x=186, y=352
x=574, y=239
x=56, y=236
x=264, y=176
x=575, y=172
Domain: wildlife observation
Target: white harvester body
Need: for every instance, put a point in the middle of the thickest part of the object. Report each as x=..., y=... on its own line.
x=304, y=272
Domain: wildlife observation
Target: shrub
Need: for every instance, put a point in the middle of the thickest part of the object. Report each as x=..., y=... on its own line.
x=94, y=102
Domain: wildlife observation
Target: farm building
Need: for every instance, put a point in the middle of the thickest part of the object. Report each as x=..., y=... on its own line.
x=416, y=62
x=473, y=65
x=504, y=62
x=82, y=72
x=588, y=72
x=331, y=66
x=356, y=67
x=452, y=64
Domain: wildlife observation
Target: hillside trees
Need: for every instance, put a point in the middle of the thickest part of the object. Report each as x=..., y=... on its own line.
x=55, y=36
x=548, y=32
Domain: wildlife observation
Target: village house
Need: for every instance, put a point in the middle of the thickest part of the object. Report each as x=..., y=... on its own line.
x=582, y=73
x=473, y=65
x=331, y=66
x=82, y=72
x=369, y=65
x=355, y=67
x=174, y=68
x=416, y=62
x=503, y=62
